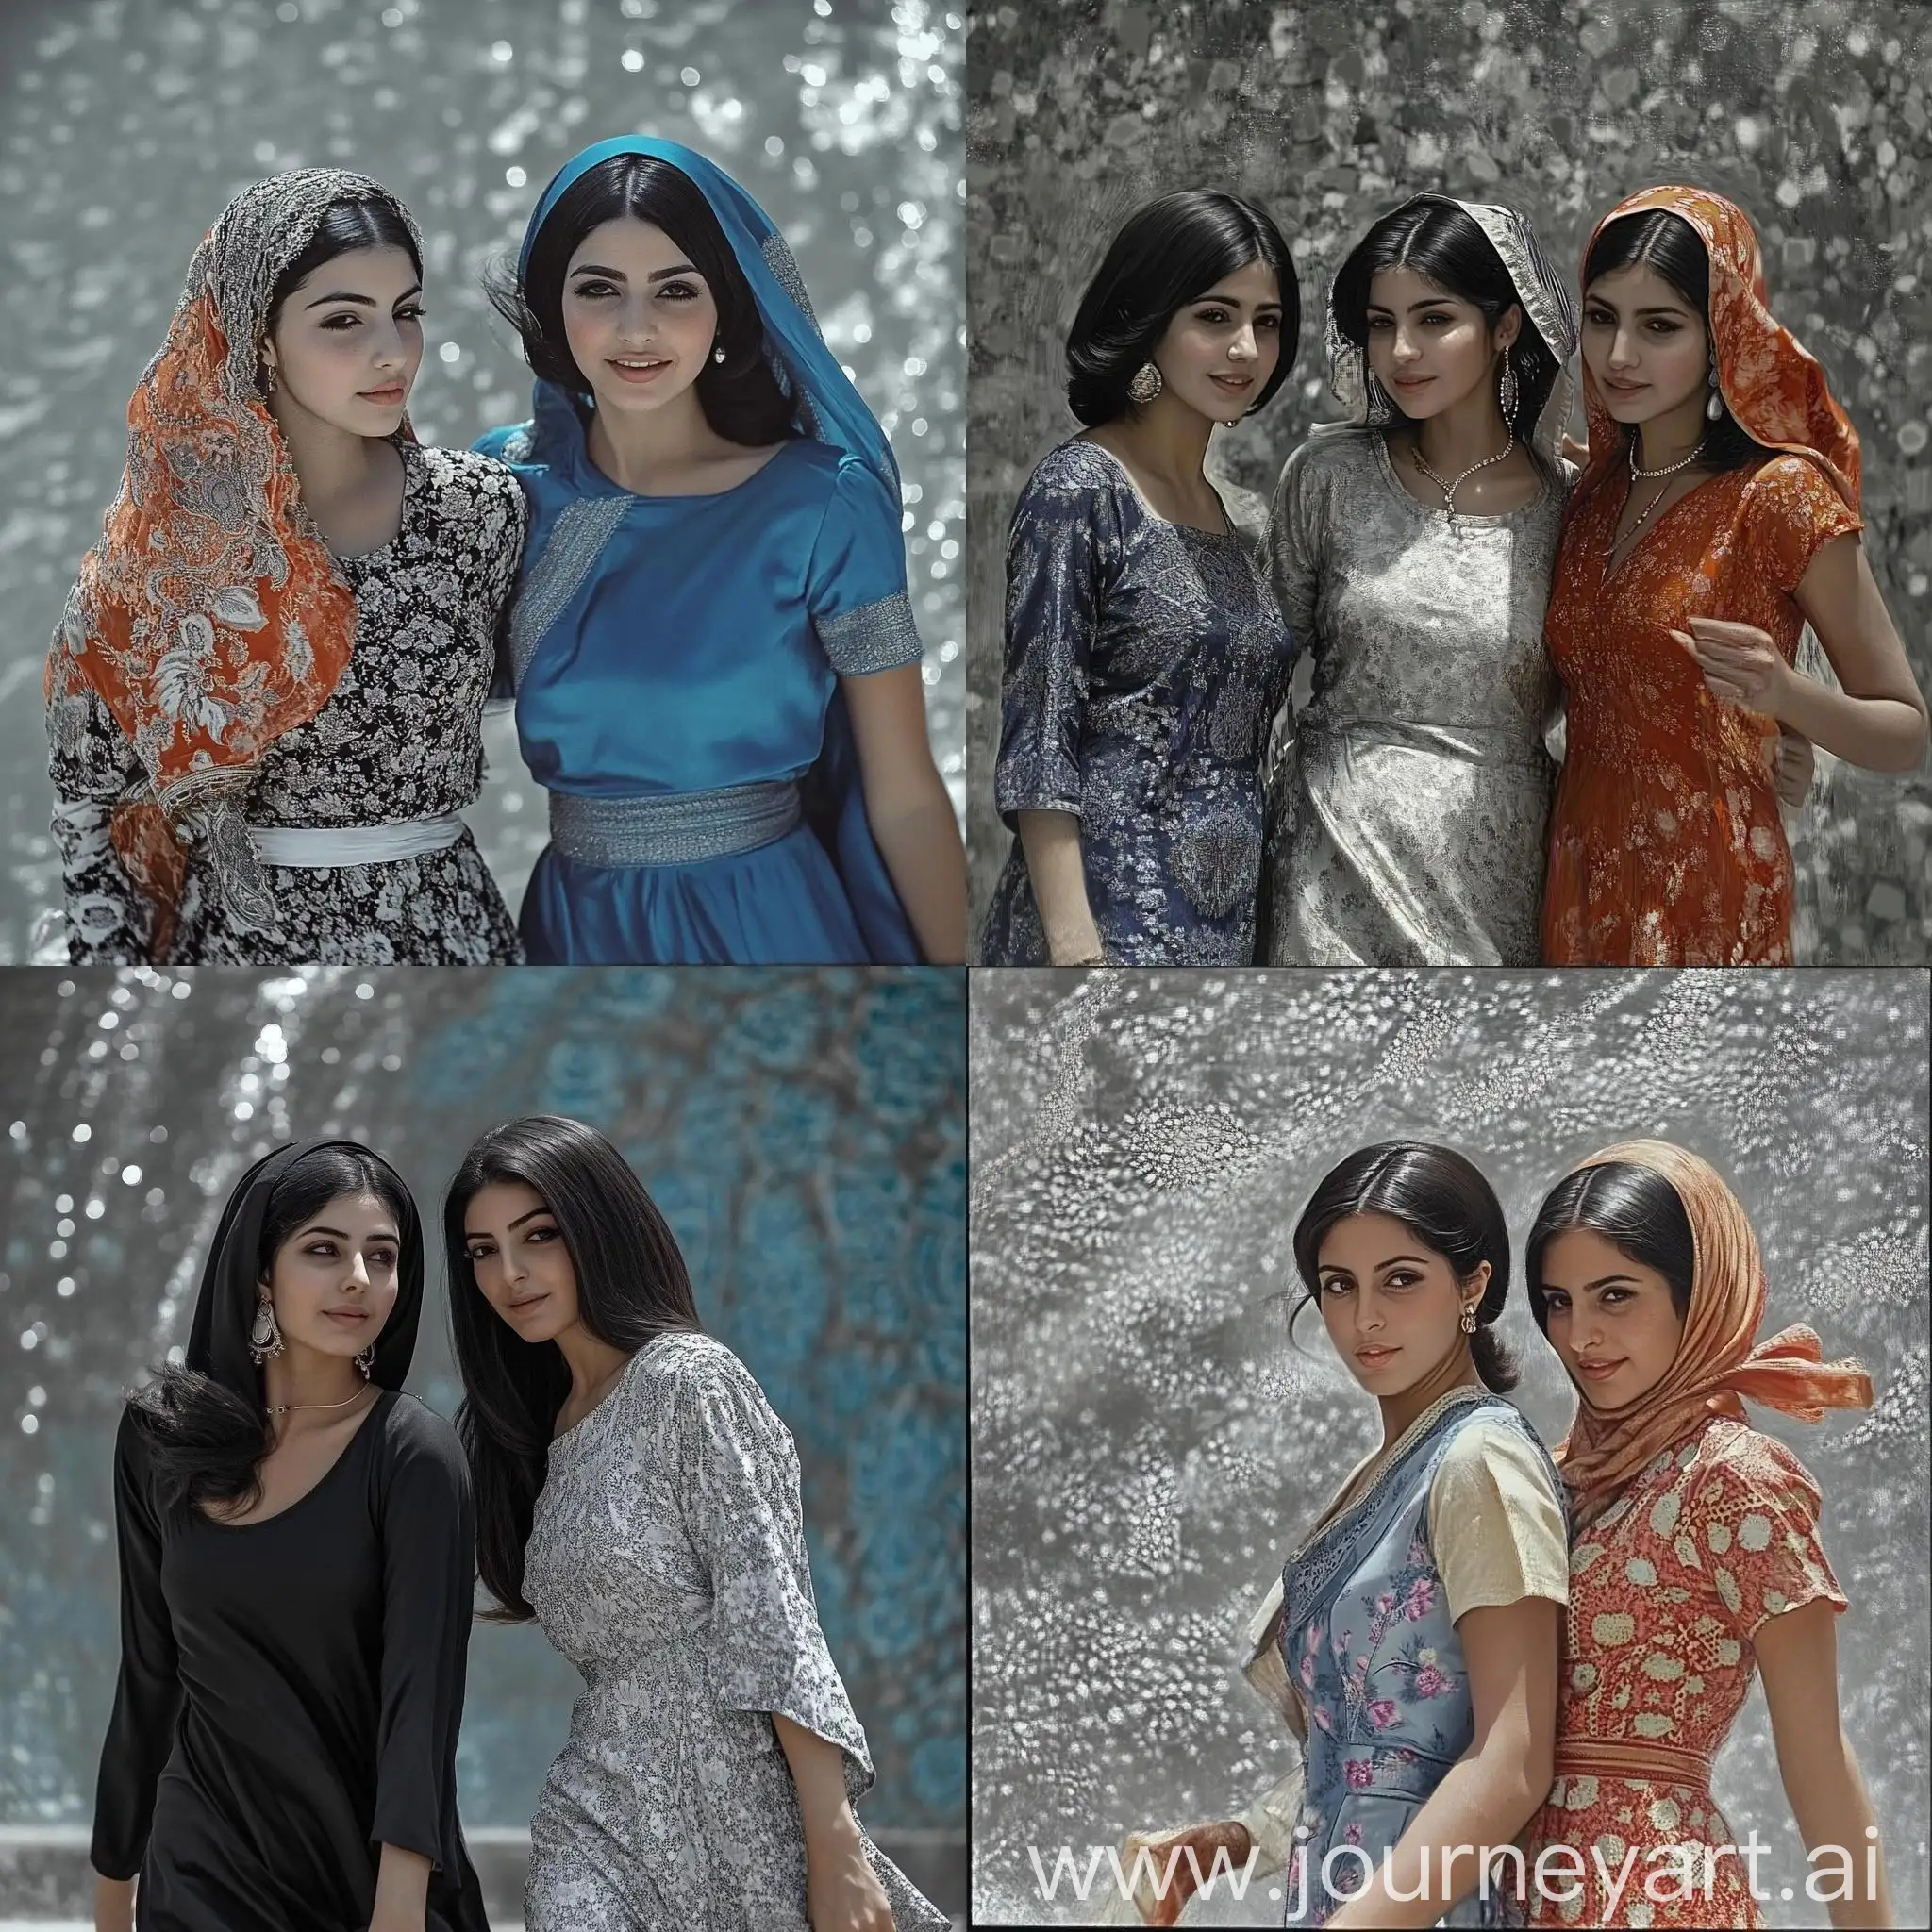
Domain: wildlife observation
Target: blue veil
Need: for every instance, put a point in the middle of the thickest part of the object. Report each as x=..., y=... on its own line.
x=827, y=408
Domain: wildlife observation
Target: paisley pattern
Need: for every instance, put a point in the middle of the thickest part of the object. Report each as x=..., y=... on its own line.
x=667, y=1561
x=1668, y=1587
x=399, y=738
x=1143, y=662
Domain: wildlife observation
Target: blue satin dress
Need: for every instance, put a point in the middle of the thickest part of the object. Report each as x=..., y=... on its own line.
x=676, y=663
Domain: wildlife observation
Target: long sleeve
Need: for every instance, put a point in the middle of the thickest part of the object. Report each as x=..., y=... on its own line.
x=739, y=1486
x=1294, y=547
x=507, y=532
x=147, y=1697
x=429, y=1564
x=856, y=583
x=93, y=765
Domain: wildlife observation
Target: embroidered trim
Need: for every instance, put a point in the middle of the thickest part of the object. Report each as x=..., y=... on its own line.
x=673, y=827
x=784, y=266
x=570, y=553
x=872, y=637
x=517, y=444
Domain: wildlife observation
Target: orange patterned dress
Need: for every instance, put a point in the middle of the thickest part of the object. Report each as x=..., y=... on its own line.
x=1666, y=848
x=1667, y=1588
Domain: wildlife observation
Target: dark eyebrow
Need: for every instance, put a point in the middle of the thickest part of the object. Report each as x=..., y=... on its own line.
x=1433, y=302
x=361, y=301
x=381, y=1235
x=1335, y=1267
x=617, y=274
x=1232, y=301
x=530, y=1216
x=1664, y=308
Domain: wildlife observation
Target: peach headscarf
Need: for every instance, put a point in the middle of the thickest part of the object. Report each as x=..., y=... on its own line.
x=1769, y=380
x=210, y=618
x=1716, y=1364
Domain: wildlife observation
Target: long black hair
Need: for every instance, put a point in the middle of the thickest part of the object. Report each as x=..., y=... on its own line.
x=1443, y=1199
x=345, y=226
x=204, y=1432
x=1167, y=254
x=1635, y=1208
x=739, y=397
x=632, y=1288
x=1667, y=243
x=1447, y=245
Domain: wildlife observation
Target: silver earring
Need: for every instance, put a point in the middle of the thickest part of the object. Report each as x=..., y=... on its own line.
x=1146, y=384
x=1714, y=406
x=1469, y=1318
x=1506, y=388
x=718, y=353
x=265, y=1336
x=1380, y=408
x=366, y=1360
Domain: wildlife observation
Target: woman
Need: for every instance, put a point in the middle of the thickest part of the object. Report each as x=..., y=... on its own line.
x=638, y=1496
x=716, y=578
x=1412, y=548
x=1717, y=517
x=1412, y=1641
x=265, y=699
x=1696, y=1555
x=297, y=1546
x=1144, y=657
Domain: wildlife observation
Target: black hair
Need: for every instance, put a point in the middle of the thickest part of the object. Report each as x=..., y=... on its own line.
x=1167, y=254
x=345, y=226
x=206, y=1440
x=632, y=1287
x=1635, y=1208
x=1447, y=245
x=1668, y=243
x=741, y=397
x=1443, y=1199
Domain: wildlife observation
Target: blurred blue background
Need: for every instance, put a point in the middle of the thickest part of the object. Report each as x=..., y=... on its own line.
x=128, y=125
x=804, y=1133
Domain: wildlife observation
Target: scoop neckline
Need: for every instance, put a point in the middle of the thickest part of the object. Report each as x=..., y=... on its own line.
x=1229, y=535
x=588, y=471
x=618, y=1381
x=1492, y=520
x=412, y=468
x=321, y=1483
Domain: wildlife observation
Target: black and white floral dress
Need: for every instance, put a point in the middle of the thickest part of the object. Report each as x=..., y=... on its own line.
x=400, y=739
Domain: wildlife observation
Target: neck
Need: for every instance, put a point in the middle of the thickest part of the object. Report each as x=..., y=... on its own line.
x=303, y=1375
x=331, y=464
x=635, y=449
x=1670, y=437
x=1168, y=439
x=592, y=1362
x=1456, y=1370
x=1466, y=432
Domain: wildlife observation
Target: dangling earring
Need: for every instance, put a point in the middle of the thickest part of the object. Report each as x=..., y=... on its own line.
x=265, y=1336
x=366, y=1360
x=1146, y=384
x=1380, y=408
x=268, y=378
x=718, y=351
x=1506, y=390
x=1714, y=408
x=1469, y=1317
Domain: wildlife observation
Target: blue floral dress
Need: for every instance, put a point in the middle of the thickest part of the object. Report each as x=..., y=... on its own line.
x=1145, y=662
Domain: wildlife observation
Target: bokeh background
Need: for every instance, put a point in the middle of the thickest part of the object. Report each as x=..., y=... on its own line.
x=125, y=126
x=1147, y=1448
x=804, y=1133
x=1814, y=115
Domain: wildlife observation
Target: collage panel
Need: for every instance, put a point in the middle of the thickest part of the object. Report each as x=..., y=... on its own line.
x=411, y=581
x=1449, y=486
x=669, y=1270
x=1213, y=1620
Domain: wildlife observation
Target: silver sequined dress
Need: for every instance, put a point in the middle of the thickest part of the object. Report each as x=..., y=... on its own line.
x=1407, y=807
x=666, y=1562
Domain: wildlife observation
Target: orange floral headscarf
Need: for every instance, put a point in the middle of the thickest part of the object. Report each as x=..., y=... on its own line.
x=210, y=618
x=1769, y=380
x=1716, y=1364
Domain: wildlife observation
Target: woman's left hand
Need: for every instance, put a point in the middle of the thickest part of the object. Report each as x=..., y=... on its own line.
x=1740, y=664
x=841, y=1891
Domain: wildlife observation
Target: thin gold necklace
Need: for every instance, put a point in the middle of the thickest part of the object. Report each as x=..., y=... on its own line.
x=290, y=1407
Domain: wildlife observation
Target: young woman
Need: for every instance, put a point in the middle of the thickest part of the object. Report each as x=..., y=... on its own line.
x=298, y=1548
x=1144, y=657
x=1718, y=516
x=1412, y=1641
x=639, y=1497
x=265, y=699
x=716, y=580
x=1697, y=1555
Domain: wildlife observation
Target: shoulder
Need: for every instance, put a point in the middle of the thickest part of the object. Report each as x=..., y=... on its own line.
x=693, y=1361
x=1333, y=449
x=1076, y=468
x=417, y=1440
x=1790, y=487
x=462, y=480
x=1731, y=1459
x=510, y=443
x=1497, y=1451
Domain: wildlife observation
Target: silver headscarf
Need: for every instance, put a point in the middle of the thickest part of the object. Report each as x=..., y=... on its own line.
x=1546, y=306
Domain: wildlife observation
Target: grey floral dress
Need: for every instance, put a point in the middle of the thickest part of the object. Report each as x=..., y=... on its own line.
x=667, y=1561
x=399, y=738
x=1144, y=661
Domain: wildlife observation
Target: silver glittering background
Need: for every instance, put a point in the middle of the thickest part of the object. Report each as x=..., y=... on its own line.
x=1145, y=1447
x=1814, y=115
x=125, y=126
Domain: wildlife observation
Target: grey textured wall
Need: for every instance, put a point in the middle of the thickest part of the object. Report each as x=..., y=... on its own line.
x=1814, y=115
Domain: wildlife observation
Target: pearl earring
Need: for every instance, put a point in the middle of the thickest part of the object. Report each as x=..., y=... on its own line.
x=718, y=353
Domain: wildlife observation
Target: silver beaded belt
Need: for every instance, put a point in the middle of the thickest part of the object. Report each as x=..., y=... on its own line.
x=672, y=828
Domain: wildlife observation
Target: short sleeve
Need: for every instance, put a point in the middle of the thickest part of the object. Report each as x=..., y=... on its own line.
x=1062, y=553
x=147, y=1693
x=429, y=1564
x=1294, y=545
x=856, y=583
x=1496, y=1523
x=1759, y=1507
x=1787, y=514
x=739, y=1489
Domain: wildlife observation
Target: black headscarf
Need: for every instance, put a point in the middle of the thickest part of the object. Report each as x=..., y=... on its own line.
x=231, y=1289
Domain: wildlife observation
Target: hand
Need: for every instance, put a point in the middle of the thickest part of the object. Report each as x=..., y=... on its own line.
x=842, y=1891
x=113, y=1905
x=1793, y=762
x=1740, y=664
x=1227, y=1833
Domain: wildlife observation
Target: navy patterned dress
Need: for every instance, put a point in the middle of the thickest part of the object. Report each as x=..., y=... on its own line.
x=1144, y=661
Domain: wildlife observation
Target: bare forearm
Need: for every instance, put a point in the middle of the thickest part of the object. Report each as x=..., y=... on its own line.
x=919, y=840
x=1051, y=840
x=818, y=1772
x=1831, y=1808
x=113, y=1905
x=1880, y=734
x=401, y=1891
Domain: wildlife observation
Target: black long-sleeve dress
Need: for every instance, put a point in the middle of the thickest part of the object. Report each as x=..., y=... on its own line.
x=290, y=1690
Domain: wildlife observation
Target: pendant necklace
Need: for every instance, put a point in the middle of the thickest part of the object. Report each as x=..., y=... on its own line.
x=1449, y=490
x=1648, y=476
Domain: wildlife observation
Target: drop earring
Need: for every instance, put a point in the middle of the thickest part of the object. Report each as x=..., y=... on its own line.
x=265, y=1336
x=1380, y=408
x=718, y=353
x=1469, y=1317
x=1146, y=384
x=1714, y=406
x=1506, y=388
x=366, y=1360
